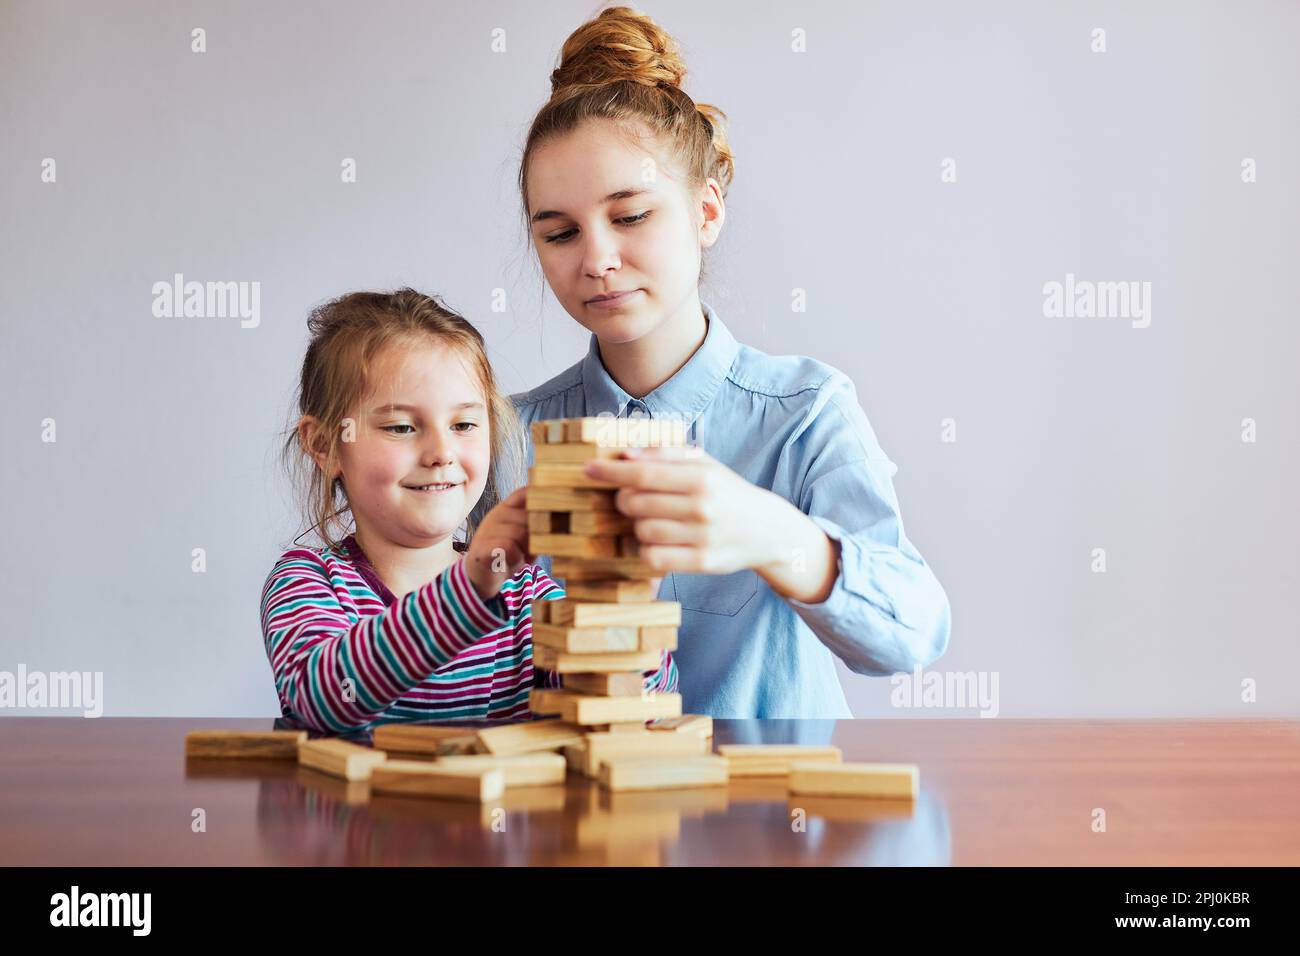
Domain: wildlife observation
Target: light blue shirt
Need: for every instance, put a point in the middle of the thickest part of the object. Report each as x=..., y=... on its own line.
x=792, y=425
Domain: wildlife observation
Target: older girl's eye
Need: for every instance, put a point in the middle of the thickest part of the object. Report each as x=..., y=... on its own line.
x=389, y=428
x=633, y=220
x=561, y=236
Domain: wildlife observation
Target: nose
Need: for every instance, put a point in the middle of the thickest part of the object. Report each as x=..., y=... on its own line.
x=437, y=451
x=600, y=256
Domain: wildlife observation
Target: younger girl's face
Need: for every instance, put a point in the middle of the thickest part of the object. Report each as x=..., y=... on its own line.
x=611, y=218
x=419, y=461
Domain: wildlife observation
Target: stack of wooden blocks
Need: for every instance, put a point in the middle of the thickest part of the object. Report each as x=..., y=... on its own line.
x=609, y=629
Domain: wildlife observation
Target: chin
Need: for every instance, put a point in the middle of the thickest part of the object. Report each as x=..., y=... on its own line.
x=618, y=328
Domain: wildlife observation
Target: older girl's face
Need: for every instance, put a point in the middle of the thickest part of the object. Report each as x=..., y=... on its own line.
x=419, y=459
x=619, y=235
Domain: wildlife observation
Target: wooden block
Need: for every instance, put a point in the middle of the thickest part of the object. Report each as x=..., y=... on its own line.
x=528, y=736
x=585, y=709
x=537, y=431
x=700, y=724
x=590, y=640
x=887, y=780
x=611, y=592
x=563, y=662
x=591, y=712
x=564, y=476
x=573, y=613
x=657, y=638
x=603, y=747
x=606, y=685
x=340, y=758
x=601, y=569
x=628, y=546
x=622, y=727
x=635, y=432
x=541, y=612
x=415, y=738
x=641, y=773
x=569, y=499
x=414, y=778
x=520, y=770
x=468, y=744
x=575, y=755
x=572, y=454
x=573, y=545
x=550, y=522
x=601, y=522
x=245, y=744
x=547, y=432
x=773, y=760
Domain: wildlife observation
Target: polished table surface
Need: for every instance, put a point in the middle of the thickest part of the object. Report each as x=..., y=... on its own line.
x=119, y=791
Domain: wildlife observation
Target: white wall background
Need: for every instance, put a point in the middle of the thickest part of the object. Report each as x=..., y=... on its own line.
x=1072, y=434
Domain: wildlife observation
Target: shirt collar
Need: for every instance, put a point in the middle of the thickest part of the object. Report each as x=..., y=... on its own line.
x=686, y=394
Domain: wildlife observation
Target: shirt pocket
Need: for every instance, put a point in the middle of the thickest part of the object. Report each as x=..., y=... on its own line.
x=723, y=594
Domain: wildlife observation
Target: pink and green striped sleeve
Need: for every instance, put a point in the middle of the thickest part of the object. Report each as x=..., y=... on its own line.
x=337, y=674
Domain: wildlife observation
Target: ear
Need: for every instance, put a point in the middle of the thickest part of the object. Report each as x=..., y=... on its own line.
x=312, y=438
x=714, y=209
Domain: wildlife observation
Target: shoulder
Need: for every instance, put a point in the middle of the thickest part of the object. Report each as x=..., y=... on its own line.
x=557, y=388
x=303, y=565
x=820, y=401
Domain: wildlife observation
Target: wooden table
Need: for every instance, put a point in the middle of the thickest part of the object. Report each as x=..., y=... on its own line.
x=119, y=791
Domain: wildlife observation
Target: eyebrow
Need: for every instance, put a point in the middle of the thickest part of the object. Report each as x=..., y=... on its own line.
x=612, y=197
x=412, y=408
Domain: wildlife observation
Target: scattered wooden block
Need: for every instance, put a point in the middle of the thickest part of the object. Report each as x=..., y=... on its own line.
x=340, y=758
x=519, y=770
x=700, y=724
x=601, y=569
x=574, y=500
x=528, y=736
x=551, y=522
x=603, y=747
x=562, y=662
x=611, y=592
x=887, y=780
x=573, y=545
x=245, y=744
x=621, y=727
x=414, y=778
x=585, y=614
x=468, y=744
x=564, y=476
x=591, y=640
x=641, y=773
x=606, y=685
x=773, y=760
x=416, y=738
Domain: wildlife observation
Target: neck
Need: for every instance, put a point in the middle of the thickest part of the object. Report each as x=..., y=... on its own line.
x=404, y=569
x=641, y=366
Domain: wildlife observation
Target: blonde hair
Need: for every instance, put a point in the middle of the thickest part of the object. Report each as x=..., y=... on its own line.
x=623, y=67
x=347, y=336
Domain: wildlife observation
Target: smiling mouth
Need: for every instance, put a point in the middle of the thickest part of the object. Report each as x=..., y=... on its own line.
x=433, y=488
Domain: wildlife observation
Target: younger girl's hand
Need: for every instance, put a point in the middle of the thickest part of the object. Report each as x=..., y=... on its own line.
x=497, y=549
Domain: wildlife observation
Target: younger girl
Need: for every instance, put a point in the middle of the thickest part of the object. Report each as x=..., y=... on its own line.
x=402, y=427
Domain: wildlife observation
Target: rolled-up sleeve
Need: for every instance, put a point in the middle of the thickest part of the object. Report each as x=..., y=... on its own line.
x=887, y=611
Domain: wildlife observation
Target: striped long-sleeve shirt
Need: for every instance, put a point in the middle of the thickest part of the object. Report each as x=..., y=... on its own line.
x=347, y=654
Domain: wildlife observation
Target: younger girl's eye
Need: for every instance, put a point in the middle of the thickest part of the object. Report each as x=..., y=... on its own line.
x=389, y=428
x=467, y=426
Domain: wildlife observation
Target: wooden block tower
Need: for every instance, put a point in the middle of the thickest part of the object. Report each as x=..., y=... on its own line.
x=609, y=629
